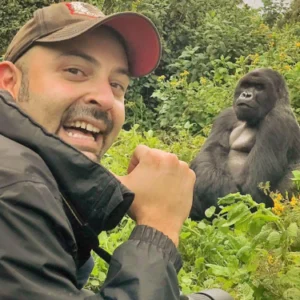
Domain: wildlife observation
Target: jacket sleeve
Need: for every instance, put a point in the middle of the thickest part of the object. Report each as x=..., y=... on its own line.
x=143, y=268
x=36, y=254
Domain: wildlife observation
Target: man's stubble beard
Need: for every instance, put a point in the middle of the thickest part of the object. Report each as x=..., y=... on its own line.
x=23, y=95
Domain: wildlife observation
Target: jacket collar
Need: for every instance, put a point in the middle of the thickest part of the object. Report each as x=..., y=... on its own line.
x=92, y=192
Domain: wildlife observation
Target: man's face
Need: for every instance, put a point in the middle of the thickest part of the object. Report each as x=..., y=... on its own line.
x=75, y=89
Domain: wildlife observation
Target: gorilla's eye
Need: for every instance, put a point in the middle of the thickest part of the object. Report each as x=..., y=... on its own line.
x=259, y=86
x=246, y=85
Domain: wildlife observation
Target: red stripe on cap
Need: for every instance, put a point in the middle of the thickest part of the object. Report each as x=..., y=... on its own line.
x=70, y=7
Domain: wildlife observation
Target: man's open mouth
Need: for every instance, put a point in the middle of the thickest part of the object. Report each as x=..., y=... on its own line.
x=83, y=130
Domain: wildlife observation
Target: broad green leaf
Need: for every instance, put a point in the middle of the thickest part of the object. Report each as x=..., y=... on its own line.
x=184, y=235
x=210, y=211
x=274, y=238
x=292, y=230
x=293, y=277
x=94, y=282
x=219, y=270
x=238, y=213
x=292, y=294
x=244, y=253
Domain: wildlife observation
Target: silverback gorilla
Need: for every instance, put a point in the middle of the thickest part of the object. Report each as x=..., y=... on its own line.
x=257, y=140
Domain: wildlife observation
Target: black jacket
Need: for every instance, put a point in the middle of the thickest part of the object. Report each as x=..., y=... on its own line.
x=53, y=204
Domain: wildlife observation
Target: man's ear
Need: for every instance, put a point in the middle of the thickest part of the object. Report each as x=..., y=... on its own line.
x=10, y=78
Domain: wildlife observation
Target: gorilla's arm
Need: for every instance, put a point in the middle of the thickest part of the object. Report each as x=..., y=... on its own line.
x=213, y=179
x=270, y=157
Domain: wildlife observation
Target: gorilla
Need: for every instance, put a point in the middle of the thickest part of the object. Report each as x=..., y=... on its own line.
x=257, y=140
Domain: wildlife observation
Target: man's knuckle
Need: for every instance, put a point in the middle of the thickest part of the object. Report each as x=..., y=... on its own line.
x=172, y=157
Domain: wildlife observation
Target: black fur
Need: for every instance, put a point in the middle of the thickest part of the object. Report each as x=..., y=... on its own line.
x=261, y=101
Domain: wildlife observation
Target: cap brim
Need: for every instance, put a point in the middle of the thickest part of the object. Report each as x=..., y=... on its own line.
x=139, y=33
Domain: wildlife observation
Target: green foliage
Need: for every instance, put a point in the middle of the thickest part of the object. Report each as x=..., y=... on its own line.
x=293, y=13
x=183, y=145
x=273, y=11
x=191, y=105
x=13, y=14
x=231, y=35
x=249, y=254
x=252, y=254
x=296, y=179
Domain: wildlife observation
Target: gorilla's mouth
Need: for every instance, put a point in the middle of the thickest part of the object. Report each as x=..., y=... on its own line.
x=243, y=104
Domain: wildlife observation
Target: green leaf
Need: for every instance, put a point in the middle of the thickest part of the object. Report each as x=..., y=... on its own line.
x=219, y=270
x=264, y=217
x=210, y=211
x=244, y=253
x=292, y=294
x=292, y=230
x=274, y=238
x=199, y=262
x=238, y=213
x=184, y=235
x=202, y=225
x=292, y=277
x=94, y=282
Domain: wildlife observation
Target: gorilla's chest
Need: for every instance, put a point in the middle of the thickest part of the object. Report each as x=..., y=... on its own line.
x=241, y=141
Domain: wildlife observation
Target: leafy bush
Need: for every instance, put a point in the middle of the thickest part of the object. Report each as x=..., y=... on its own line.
x=252, y=255
x=117, y=158
x=274, y=11
x=292, y=14
x=231, y=35
x=13, y=14
x=189, y=105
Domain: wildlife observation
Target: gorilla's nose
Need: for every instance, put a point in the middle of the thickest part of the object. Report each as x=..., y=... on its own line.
x=246, y=95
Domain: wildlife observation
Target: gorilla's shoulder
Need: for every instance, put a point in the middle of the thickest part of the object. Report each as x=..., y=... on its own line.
x=226, y=119
x=19, y=163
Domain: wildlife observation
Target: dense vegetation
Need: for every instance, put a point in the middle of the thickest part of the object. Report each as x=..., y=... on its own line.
x=208, y=46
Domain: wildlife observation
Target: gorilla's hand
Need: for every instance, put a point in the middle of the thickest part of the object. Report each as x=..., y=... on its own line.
x=163, y=187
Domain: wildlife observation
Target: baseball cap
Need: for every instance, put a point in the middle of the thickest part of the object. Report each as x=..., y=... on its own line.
x=66, y=20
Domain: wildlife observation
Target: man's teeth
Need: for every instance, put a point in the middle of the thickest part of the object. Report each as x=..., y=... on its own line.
x=81, y=136
x=84, y=125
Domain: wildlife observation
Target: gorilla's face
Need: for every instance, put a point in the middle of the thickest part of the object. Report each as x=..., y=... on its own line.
x=255, y=95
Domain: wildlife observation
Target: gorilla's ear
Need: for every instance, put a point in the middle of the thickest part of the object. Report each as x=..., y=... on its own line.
x=10, y=78
x=279, y=82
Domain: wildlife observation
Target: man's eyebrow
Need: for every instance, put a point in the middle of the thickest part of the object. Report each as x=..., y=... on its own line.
x=77, y=53
x=80, y=54
x=123, y=71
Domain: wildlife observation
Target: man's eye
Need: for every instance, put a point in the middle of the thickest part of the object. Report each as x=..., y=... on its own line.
x=75, y=71
x=117, y=86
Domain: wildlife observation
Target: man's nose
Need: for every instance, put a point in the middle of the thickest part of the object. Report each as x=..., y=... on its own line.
x=102, y=96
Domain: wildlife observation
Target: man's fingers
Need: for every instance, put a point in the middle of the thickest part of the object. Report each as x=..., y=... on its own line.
x=138, y=153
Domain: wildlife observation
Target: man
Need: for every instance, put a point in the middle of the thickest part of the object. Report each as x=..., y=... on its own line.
x=63, y=85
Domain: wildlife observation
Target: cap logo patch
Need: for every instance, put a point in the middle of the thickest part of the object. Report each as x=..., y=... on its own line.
x=83, y=9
